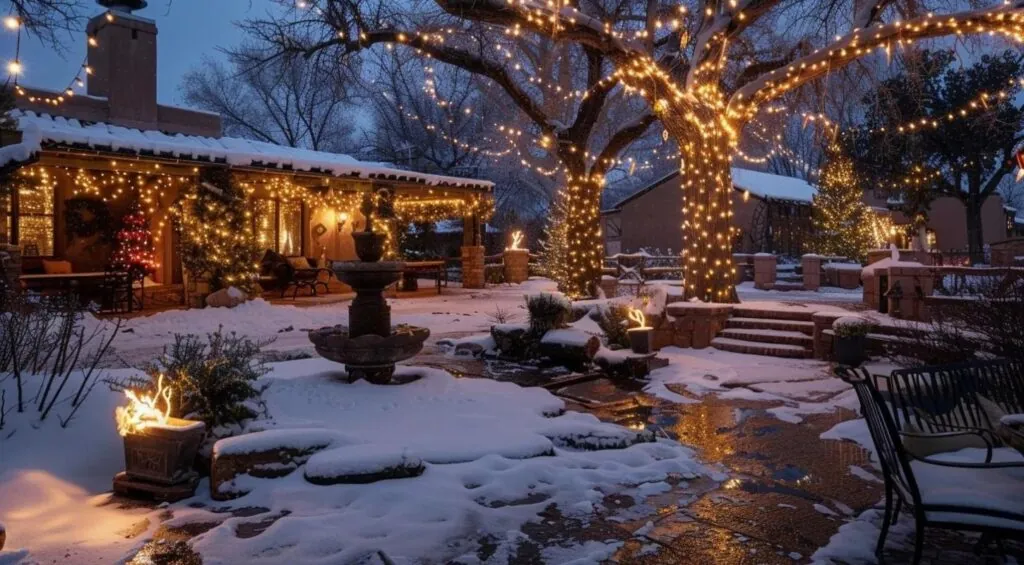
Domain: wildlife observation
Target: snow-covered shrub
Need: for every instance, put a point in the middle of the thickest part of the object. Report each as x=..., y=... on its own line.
x=987, y=323
x=851, y=326
x=613, y=320
x=51, y=351
x=214, y=379
x=548, y=312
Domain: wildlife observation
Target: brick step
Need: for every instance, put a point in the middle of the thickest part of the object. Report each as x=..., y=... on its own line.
x=748, y=312
x=767, y=349
x=783, y=286
x=769, y=336
x=806, y=328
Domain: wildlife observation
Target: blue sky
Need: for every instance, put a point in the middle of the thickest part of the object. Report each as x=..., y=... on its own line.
x=189, y=30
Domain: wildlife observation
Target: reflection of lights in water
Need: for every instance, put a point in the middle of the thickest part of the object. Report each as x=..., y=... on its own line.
x=637, y=426
x=732, y=484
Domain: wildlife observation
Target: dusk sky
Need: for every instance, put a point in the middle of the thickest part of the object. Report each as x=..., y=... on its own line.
x=188, y=31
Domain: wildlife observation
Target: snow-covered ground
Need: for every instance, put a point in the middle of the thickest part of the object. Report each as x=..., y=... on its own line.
x=747, y=292
x=455, y=312
x=479, y=440
x=495, y=454
x=804, y=386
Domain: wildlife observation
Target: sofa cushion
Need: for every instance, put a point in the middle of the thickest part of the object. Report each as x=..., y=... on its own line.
x=299, y=263
x=56, y=267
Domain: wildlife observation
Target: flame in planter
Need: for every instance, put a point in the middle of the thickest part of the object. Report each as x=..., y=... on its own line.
x=637, y=316
x=143, y=412
x=517, y=239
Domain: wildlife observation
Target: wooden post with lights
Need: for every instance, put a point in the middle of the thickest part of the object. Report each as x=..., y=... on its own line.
x=472, y=253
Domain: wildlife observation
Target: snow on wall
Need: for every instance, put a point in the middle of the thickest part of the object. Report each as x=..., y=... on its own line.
x=39, y=129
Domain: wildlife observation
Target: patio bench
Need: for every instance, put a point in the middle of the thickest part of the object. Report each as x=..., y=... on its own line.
x=979, y=489
x=278, y=273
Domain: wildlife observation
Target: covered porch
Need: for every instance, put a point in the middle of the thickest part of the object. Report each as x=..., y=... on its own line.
x=65, y=216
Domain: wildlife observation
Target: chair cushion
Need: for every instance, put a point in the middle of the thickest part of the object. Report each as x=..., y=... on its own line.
x=299, y=263
x=930, y=444
x=990, y=489
x=56, y=267
x=993, y=412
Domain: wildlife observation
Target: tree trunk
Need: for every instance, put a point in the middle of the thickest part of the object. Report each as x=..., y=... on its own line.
x=706, y=177
x=975, y=239
x=585, y=254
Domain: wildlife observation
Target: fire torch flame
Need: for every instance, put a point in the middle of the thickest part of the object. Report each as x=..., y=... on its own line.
x=517, y=239
x=637, y=316
x=142, y=412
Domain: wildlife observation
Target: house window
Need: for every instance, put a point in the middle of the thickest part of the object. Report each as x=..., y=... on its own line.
x=26, y=219
x=278, y=226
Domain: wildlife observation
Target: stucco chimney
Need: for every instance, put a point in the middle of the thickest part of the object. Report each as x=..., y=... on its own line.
x=123, y=63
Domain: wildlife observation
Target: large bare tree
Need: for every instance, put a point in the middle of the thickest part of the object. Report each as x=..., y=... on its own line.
x=293, y=101
x=52, y=21
x=704, y=67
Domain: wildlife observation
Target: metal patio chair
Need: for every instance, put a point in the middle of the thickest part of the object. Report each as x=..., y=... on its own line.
x=941, y=491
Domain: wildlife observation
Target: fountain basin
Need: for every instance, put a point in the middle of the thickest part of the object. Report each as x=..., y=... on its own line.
x=371, y=357
x=370, y=276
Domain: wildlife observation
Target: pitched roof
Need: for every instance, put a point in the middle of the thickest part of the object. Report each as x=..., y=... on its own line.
x=762, y=185
x=43, y=130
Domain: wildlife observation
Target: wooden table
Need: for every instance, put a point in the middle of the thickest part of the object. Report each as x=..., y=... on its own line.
x=67, y=282
x=413, y=269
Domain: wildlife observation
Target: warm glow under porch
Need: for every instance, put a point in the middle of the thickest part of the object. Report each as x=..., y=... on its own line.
x=69, y=203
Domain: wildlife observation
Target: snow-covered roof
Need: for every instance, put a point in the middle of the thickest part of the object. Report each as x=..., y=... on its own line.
x=762, y=185
x=41, y=130
x=774, y=187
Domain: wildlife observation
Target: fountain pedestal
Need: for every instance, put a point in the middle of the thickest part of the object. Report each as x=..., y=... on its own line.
x=370, y=346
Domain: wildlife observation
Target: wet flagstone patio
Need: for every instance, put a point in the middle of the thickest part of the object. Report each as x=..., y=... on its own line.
x=788, y=493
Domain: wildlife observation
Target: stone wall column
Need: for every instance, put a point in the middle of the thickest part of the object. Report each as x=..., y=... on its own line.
x=823, y=342
x=914, y=284
x=473, y=266
x=871, y=298
x=811, y=266
x=765, y=265
x=610, y=286
x=695, y=324
x=516, y=263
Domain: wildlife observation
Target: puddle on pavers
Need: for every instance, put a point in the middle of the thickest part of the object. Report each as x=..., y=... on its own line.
x=790, y=473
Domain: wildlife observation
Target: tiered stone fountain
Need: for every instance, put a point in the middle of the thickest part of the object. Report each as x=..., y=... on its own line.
x=370, y=346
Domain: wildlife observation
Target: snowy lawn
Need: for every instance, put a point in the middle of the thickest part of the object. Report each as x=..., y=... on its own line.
x=456, y=311
x=494, y=455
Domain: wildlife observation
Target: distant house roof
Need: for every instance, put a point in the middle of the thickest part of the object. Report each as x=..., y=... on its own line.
x=762, y=185
x=42, y=131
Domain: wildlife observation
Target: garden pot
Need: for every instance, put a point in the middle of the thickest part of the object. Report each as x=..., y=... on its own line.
x=850, y=350
x=163, y=454
x=640, y=339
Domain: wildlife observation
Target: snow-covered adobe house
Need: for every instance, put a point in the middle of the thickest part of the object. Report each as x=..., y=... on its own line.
x=83, y=160
x=772, y=213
